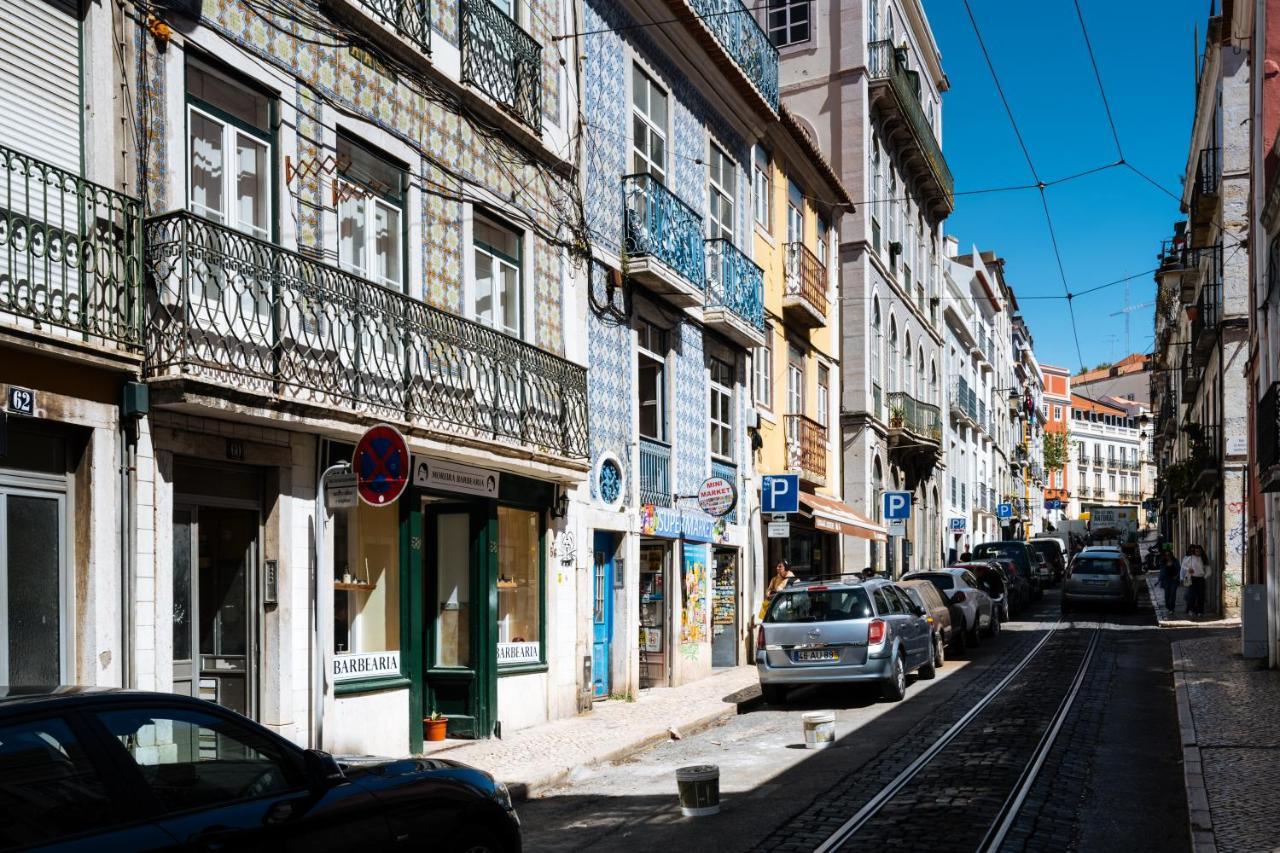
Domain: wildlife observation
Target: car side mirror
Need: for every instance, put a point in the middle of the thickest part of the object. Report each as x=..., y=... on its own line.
x=322, y=769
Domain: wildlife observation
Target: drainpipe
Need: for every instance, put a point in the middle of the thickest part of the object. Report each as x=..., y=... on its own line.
x=132, y=406
x=317, y=652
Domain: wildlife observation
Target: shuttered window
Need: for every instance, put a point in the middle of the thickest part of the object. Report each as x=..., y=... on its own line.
x=40, y=81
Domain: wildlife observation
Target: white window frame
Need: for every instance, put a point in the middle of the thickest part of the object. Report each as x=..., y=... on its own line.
x=657, y=170
x=499, y=261
x=230, y=131
x=795, y=380
x=762, y=188
x=787, y=9
x=660, y=402
x=719, y=391
x=824, y=394
x=762, y=371
x=717, y=191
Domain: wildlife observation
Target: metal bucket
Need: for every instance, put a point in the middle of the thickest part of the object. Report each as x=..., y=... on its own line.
x=699, y=789
x=819, y=729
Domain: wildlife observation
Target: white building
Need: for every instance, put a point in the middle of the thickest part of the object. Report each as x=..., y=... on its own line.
x=1108, y=455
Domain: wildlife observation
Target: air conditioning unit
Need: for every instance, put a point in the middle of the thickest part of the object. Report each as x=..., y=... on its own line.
x=752, y=418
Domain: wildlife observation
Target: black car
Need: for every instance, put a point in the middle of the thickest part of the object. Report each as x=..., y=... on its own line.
x=84, y=768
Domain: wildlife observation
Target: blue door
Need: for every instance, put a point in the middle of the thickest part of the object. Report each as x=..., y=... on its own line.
x=601, y=613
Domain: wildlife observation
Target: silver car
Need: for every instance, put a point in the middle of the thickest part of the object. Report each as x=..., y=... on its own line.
x=841, y=632
x=1099, y=576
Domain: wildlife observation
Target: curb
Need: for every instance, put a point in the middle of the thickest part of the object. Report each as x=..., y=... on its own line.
x=525, y=789
x=1200, y=819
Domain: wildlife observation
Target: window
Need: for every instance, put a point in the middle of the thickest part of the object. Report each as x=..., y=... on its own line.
x=892, y=358
x=370, y=215
x=648, y=125
x=823, y=228
x=720, y=182
x=652, y=346
x=762, y=370
x=908, y=371
x=873, y=20
x=496, y=257
x=721, y=415
x=877, y=342
x=51, y=789
x=824, y=394
x=788, y=22
x=366, y=579
x=909, y=254
x=1111, y=482
x=895, y=219
x=877, y=181
x=1057, y=479
x=519, y=586
x=1057, y=413
x=194, y=759
x=795, y=380
x=795, y=213
x=762, y=188
x=229, y=151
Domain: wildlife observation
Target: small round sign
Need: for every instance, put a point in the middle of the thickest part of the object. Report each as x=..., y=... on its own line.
x=718, y=496
x=381, y=465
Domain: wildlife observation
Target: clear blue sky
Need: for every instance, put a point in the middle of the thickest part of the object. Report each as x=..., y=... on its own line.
x=1109, y=225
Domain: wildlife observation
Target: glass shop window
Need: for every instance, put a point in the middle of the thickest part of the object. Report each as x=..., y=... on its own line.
x=519, y=586
x=366, y=587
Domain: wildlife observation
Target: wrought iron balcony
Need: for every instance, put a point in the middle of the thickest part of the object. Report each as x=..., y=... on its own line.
x=408, y=19
x=70, y=257
x=1205, y=458
x=897, y=87
x=225, y=309
x=662, y=240
x=1205, y=319
x=1191, y=373
x=964, y=401
x=735, y=294
x=921, y=419
x=746, y=43
x=807, y=449
x=655, y=472
x=1204, y=195
x=1267, y=437
x=502, y=60
x=804, y=301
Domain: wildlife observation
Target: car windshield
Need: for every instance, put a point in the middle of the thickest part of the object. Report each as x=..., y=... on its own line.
x=941, y=580
x=1097, y=566
x=1016, y=551
x=1047, y=547
x=826, y=605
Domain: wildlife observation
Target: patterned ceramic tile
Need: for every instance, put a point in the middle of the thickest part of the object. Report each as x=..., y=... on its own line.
x=692, y=442
x=609, y=390
x=444, y=20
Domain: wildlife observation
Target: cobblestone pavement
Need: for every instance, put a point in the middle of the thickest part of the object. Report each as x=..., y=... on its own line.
x=1232, y=738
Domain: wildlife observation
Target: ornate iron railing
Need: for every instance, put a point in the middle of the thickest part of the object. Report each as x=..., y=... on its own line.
x=1267, y=428
x=655, y=472
x=806, y=277
x=746, y=43
x=235, y=311
x=886, y=63
x=1208, y=313
x=729, y=471
x=70, y=255
x=410, y=19
x=920, y=418
x=1205, y=455
x=735, y=282
x=659, y=225
x=1208, y=173
x=807, y=448
x=502, y=60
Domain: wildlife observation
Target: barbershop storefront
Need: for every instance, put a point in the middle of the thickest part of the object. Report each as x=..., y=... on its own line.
x=439, y=602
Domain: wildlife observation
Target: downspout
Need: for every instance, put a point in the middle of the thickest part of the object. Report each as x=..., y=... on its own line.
x=317, y=652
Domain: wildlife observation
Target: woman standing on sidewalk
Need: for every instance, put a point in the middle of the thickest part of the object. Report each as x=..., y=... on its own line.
x=1170, y=577
x=1195, y=571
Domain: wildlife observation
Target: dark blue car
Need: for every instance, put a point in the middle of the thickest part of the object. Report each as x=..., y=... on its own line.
x=121, y=770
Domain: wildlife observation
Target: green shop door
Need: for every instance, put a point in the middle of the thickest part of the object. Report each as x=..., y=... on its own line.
x=460, y=579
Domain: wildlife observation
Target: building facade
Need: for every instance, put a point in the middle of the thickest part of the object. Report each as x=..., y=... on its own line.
x=1057, y=405
x=1108, y=455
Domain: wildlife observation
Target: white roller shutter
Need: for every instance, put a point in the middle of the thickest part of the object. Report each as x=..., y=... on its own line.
x=40, y=80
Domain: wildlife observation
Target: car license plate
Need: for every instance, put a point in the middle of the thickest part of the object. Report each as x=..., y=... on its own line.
x=816, y=654
x=1096, y=582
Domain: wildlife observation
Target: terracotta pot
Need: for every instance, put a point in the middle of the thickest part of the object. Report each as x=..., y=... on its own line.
x=435, y=728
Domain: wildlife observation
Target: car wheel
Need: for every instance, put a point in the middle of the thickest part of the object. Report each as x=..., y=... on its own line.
x=993, y=629
x=774, y=694
x=975, y=635
x=939, y=652
x=895, y=686
x=928, y=670
x=477, y=840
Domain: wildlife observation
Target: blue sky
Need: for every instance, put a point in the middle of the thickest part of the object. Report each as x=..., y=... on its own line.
x=1109, y=225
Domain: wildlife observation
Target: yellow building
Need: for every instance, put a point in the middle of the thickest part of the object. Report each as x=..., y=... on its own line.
x=799, y=201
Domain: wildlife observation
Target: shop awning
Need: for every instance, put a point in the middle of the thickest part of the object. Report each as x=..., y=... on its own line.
x=833, y=516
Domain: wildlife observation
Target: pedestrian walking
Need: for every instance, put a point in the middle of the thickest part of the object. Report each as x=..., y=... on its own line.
x=781, y=577
x=1170, y=577
x=1195, y=572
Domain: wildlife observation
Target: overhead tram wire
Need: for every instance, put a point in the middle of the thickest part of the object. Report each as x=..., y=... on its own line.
x=1097, y=75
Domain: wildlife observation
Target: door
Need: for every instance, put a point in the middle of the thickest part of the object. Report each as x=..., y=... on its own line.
x=653, y=614
x=33, y=639
x=215, y=551
x=724, y=609
x=602, y=614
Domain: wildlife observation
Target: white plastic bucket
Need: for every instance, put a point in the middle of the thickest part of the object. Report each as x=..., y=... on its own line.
x=819, y=729
x=699, y=789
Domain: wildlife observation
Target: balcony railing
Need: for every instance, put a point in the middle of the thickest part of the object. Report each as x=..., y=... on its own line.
x=806, y=281
x=231, y=310
x=410, y=19
x=70, y=256
x=735, y=282
x=884, y=62
x=746, y=43
x=964, y=400
x=906, y=412
x=1205, y=320
x=807, y=448
x=660, y=226
x=1208, y=178
x=729, y=471
x=1205, y=456
x=655, y=472
x=1267, y=430
x=1191, y=373
x=502, y=60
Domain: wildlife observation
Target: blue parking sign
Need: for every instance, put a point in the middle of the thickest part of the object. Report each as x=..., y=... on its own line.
x=897, y=506
x=1004, y=510
x=780, y=493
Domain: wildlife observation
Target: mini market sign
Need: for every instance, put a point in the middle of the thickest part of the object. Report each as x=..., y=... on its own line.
x=717, y=496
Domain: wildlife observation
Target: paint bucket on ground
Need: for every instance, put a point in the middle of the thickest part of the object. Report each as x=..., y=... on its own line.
x=819, y=729
x=699, y=789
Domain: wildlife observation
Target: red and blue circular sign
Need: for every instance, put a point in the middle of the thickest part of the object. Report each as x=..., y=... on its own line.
x=381, y=465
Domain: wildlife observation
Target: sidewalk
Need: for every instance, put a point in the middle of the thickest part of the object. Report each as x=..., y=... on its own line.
x=534, y=759
x=1172, y=620
x=1230, y=726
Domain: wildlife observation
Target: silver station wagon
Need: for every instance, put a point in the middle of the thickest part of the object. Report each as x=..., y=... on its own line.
x=842, y=632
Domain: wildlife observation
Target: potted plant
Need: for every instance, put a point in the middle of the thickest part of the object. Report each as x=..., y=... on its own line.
x=897, y=414
x=435, y=725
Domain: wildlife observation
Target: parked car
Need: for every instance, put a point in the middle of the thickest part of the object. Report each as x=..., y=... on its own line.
x=938, y=613
x=1022, y=555
x=992, y=581
x=1020, y=595
x=1099, y=576
x=1052, y=550
x=121, y=770
x=977, y=613
x=842, y=632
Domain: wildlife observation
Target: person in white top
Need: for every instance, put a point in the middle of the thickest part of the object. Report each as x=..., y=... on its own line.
x=1195, y=572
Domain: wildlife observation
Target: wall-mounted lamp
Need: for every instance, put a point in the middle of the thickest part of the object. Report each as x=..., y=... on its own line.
x=560, y=508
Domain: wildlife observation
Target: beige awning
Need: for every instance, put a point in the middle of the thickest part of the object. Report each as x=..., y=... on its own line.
x=833, y=516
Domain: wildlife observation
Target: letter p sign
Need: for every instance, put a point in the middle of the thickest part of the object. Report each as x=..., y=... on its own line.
x=897, y=506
